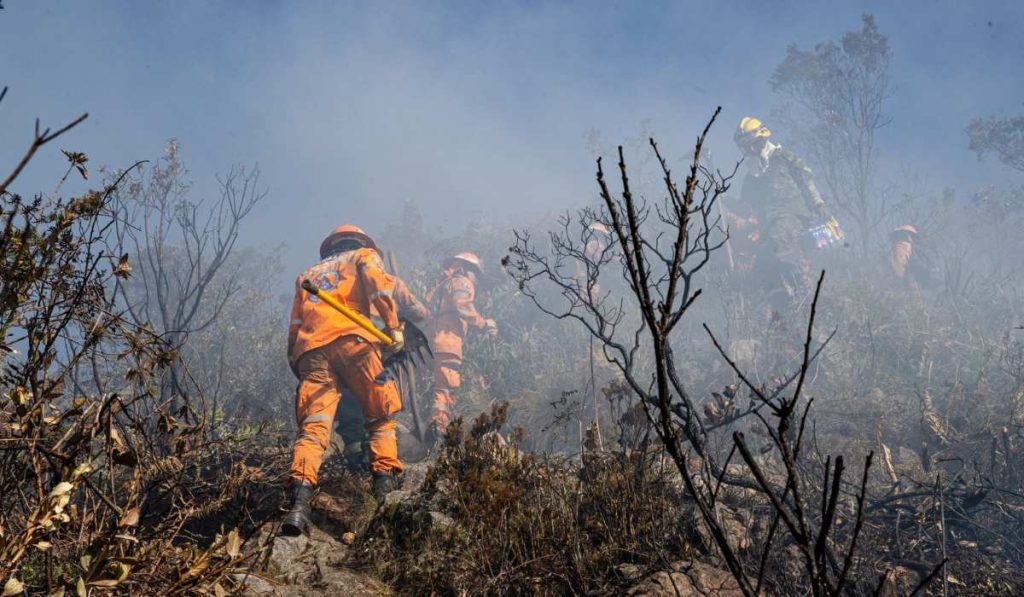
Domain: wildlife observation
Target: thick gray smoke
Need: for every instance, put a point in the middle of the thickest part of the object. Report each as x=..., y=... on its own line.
x=354, y=110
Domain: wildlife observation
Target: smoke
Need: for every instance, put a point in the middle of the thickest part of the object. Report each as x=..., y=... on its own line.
x=353, y=110
x=440, y=128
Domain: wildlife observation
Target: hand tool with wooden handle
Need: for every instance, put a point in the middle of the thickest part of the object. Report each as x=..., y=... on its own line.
x=415, y=340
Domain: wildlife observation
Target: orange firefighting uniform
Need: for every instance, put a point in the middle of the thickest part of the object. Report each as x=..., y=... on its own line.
x=454, y=314
x=899, y=258
x=328, y=352
x=409, y=307
x=349, y=417
x=901, y=254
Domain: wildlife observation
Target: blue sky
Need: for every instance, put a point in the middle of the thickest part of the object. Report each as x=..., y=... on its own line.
x=351, y=109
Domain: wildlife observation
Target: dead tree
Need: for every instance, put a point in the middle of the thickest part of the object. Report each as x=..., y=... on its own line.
x=836, y=94
x=660, y=253
x=660, y=274
x=89, y=497
x=179, y=248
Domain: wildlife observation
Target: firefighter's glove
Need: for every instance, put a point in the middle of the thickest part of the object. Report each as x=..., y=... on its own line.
x=398, y=336
x=491, y=327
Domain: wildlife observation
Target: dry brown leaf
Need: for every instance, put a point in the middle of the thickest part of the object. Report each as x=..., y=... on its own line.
x=198, y=568
x=13, y=587
x=234, y=544
x=115, y=436
x=21, y=395
x=104, y=583
x=130, y=518
x=124, y=268
x=62, y=488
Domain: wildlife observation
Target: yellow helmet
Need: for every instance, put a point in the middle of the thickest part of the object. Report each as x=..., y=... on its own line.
x=750, y=129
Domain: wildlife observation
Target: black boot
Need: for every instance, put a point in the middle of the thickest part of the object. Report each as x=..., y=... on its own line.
x=383, y=484
x=297, y=520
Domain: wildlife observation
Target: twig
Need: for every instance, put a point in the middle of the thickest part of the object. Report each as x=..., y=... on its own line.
x=39, y=141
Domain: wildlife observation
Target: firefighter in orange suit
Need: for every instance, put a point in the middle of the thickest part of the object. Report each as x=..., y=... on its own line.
x=329, y=352
x=901, y=254
x=454, y=315
x=349, y=419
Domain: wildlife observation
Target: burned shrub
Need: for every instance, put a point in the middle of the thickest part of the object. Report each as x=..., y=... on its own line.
x=491, y=518
x=104, y=484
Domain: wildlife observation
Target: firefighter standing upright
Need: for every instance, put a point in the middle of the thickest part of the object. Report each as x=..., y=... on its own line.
x=780, y=189
x=328, y=352
x=901, y=256
x=454, y=315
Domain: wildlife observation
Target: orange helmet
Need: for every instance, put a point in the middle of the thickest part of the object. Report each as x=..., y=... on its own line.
x=343, y=232
x=905, y=228
x=468, y=259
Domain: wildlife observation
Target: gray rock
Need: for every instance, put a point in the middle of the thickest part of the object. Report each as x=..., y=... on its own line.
x=399, y=496
x=255, y=585
x=685, y=580
x=286, y=553
x=441, y=521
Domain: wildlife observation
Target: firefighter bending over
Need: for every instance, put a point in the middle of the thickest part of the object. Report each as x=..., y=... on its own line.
x=327, y=352
x=350, y=422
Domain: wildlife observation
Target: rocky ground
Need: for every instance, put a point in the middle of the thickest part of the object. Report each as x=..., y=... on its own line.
x=323, y=562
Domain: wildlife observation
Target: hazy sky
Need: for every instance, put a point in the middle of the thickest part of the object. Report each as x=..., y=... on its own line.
x=352, y=108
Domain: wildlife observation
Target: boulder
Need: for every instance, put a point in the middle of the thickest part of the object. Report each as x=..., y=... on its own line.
x=684, y=580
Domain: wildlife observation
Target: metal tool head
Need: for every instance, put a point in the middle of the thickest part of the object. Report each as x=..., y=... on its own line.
x=417, y=347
